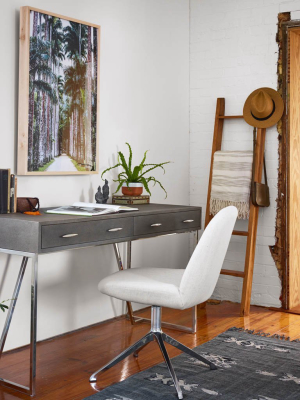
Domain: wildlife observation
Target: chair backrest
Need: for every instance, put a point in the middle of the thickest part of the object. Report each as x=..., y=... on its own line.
x=202, y=272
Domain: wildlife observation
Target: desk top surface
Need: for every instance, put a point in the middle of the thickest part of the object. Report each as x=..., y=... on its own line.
x=143, y=209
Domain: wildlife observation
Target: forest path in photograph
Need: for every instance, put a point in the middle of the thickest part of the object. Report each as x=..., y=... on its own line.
x=62, y=113
x=62, y=163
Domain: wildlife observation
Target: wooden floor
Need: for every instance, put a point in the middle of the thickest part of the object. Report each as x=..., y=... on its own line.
x=65, y=363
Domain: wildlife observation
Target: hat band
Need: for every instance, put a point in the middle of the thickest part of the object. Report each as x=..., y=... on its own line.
x=265, y=118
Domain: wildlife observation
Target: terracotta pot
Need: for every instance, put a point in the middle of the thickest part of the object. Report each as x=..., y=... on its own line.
x=134, y=189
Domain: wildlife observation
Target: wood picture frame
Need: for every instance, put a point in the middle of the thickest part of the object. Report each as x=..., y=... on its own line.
x=58, y=126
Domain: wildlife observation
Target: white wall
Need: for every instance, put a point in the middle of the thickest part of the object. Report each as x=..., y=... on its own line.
x=144, y=99
x=232, y=52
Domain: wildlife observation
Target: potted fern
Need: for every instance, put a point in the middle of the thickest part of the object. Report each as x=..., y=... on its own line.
x=132, y=180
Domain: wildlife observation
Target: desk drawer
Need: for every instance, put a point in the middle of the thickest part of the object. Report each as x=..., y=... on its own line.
x=170, y=222
x=85, y=232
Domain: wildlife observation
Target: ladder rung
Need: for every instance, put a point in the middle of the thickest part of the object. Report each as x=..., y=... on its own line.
x=240, y=233
x=230, y=116
x=230, y=272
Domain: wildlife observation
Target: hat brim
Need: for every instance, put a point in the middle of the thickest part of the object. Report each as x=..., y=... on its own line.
x=275, y=117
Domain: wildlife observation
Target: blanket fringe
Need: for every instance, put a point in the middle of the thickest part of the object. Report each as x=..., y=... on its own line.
x=263, y=334
x=217, y=205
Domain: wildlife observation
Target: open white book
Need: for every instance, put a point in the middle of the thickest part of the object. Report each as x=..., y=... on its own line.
x=90, y=209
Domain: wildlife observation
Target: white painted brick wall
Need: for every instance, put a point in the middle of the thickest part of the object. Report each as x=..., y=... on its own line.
x=233, y=51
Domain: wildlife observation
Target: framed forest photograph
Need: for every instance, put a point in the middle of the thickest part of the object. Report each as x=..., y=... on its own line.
x=58, y=94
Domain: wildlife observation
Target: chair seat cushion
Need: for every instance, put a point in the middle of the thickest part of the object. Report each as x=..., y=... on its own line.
x=151, y=286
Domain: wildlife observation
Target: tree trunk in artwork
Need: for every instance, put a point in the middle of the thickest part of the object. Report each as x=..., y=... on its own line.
x=49, y=38
x=36, y=136
x=38, y=130
x=74, y=137
x=79, y=50
x=42, y=132
x=43, y=106
x=83, y=155
x=71, y=137
x=48, y=131
x=31, y=105
x=80, y=158
x=95, y=87
x=56, y=117
x=77, y=135
x=88, y=106
x=55, y=127
x=30, y=130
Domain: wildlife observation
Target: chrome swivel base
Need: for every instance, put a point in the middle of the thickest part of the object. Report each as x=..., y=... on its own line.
x=156, y=334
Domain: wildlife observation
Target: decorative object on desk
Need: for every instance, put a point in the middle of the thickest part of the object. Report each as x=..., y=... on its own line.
x=58, y=94
x=133, y=178
x=28, y=204
x=263, y=108
x=102, y=197
x=231, y=181
x=131, y=199
x=4, y=191
x=250, y=364
x=13, y=193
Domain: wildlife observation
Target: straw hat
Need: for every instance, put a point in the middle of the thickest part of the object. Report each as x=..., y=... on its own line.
x=263, y=108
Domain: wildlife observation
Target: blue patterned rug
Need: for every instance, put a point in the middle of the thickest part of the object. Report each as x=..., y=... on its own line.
x=250, y=367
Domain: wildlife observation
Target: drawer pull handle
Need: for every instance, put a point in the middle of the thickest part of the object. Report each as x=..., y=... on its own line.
x=188, y=220
x=70, y=235
x=115, y=229
x=156, y=224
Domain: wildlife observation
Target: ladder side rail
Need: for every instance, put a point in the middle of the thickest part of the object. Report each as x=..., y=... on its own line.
x=216, y=146
x=252, y=226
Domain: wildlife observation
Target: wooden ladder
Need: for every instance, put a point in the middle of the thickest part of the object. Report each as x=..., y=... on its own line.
x=247, y=274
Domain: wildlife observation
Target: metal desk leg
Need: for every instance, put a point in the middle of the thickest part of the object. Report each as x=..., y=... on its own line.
x=4, y=382
x=197, y=238
x=128, y=255
x=13, y=304
x=33, y=329
x=120, y=266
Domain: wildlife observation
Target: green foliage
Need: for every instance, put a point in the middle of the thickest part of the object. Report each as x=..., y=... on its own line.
x=3, y=307
x=75, y=38
x=45, y=166
x=137, y=173
x=78, y=167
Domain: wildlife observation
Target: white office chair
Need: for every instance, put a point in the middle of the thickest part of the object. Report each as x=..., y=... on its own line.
x=173, y=288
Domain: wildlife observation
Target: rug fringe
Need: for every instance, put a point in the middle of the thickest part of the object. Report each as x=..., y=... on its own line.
x=264, y=334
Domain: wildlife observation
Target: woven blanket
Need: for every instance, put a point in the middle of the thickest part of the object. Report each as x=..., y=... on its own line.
x=231, y=181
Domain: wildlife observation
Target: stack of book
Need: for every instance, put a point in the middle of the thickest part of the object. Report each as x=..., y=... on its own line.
x=8, y=192
x=131, y=199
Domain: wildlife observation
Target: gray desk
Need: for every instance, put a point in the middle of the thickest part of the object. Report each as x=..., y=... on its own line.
x=31, y=236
